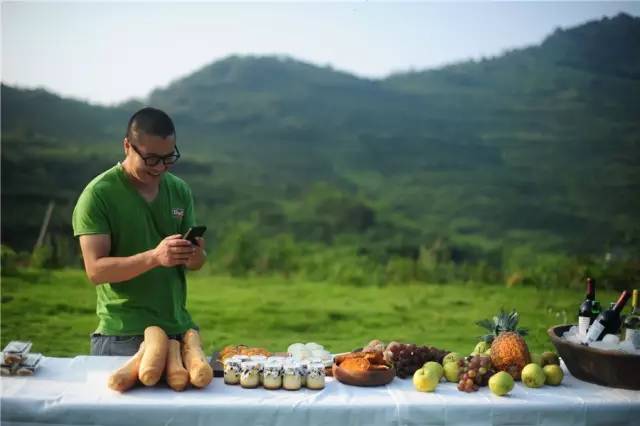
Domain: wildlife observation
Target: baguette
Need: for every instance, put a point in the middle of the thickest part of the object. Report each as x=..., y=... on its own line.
x=177, y=375
x=200, y=372
x=126, y=376
x=154, y=358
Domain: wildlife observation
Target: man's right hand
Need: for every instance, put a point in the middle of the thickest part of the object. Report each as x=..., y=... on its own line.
x=173, y=251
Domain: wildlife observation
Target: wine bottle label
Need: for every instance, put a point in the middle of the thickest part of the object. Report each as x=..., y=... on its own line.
x=633, y=336
x=594, y=332
x=583, y=325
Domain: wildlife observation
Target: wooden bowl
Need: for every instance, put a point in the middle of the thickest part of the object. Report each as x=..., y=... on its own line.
x=364, y=378
x=607, y=368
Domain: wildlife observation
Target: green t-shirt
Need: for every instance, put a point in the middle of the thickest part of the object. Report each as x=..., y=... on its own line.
x=111, y=205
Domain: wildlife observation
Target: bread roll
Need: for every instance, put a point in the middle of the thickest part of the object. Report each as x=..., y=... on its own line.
x=177, y=375
x=154, y=358
x=126, y=376
x=200, y=372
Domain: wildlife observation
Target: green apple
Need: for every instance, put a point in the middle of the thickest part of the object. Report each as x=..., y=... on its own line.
x=452, y=372
x=536, y=358
x=501, y=383
x=435, y=366
x=425, y=380
x=451, y=357
x=553, y=374
x=533, y=376
x=481, y=348
x=549, y=358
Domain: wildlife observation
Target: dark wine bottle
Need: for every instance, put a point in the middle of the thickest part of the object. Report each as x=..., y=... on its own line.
x=632, y=322
x=608, y=322
x=589, y=309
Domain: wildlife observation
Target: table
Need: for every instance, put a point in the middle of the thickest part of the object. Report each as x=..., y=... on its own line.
x=73, y=391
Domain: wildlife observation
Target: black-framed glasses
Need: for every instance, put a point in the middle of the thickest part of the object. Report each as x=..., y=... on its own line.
x=153, y=159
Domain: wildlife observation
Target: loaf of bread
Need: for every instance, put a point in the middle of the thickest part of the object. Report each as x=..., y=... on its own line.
x=154, y=359
x=177, y=375
x=200, y=372
x=127, y=376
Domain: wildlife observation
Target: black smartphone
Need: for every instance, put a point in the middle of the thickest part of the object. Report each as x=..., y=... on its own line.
x=193, y=232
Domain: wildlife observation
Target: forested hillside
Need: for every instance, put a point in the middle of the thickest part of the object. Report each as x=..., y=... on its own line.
x=520, y=167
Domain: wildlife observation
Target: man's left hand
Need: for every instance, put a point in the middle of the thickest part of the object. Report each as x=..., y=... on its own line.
x=197, y=258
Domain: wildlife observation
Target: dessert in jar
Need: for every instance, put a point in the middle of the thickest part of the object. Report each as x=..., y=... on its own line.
x=303, y=372
x=292, y=375
x=272, y=375
x=249, y=375
x=260, y=360
x=315, y=375
x=232, y=369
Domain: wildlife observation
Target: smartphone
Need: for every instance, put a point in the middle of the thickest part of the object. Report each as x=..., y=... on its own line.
x=193, y=232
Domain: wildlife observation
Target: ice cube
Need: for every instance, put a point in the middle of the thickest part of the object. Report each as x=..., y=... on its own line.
x=572, y=338
x=611, y=339
x=627, y=346
x=601, y=344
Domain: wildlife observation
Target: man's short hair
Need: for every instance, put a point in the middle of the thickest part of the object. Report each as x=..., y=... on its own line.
x=151, y=121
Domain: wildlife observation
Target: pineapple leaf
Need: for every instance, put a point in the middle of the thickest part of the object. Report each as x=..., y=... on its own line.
x=486, y=324
x=503, y=321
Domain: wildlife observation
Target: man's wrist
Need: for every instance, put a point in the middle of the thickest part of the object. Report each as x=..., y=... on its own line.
x=152, y=259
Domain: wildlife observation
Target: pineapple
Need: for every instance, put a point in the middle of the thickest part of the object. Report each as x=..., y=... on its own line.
x=509, y=351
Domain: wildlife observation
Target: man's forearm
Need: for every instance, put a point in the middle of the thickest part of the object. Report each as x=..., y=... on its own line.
x=118, y=269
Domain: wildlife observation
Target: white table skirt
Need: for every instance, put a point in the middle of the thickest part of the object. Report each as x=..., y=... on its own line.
x=73, y=391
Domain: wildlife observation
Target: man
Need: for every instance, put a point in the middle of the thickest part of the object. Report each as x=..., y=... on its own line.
x=130, y=221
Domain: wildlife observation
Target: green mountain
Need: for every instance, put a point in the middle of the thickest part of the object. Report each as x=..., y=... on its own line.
x=537, y=148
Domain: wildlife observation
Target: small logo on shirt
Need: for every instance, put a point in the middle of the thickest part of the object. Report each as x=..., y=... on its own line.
x=178, y=213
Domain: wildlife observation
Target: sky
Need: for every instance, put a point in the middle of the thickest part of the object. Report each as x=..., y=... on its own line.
x=109, y=52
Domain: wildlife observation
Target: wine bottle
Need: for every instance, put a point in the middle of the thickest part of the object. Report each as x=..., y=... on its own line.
x=589, y=309
x=632, y=322
x=608, y=322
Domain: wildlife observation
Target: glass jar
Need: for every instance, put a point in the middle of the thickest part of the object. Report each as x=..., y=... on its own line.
x=232, y=368
x=249, y=375
x=316, y=375
x=292, y=375
x=260, y=360
x=272, y=375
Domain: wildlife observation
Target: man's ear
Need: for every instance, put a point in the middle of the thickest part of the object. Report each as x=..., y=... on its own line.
x=125, y=146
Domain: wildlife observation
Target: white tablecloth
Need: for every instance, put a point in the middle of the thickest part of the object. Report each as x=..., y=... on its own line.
x=69, y=391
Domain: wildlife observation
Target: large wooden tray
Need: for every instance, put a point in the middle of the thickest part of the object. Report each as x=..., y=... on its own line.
x=364, y=378
x=608, y=368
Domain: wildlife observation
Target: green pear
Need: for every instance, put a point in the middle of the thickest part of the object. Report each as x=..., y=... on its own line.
x=553, y=374
x=451, y=357
x=435, y=367
x=549, y=358
x=501, y=383
x=536, y=358
x=452, y=372
x=533, y=376
x=425, y=380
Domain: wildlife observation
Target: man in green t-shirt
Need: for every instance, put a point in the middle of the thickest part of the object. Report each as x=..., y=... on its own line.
x=130, y=220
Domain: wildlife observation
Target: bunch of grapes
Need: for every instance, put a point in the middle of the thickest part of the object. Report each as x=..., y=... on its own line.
x=475, y=372
x=408, y=358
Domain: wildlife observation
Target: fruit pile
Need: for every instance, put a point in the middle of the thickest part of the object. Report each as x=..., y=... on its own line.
x=408, y=358
x=475, y=372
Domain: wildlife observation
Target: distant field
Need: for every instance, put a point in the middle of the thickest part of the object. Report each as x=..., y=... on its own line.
x=56, y=310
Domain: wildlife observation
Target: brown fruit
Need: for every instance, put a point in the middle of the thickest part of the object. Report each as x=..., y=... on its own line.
x=509, y=352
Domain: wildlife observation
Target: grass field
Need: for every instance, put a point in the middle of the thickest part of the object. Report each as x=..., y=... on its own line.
x=56, y=310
